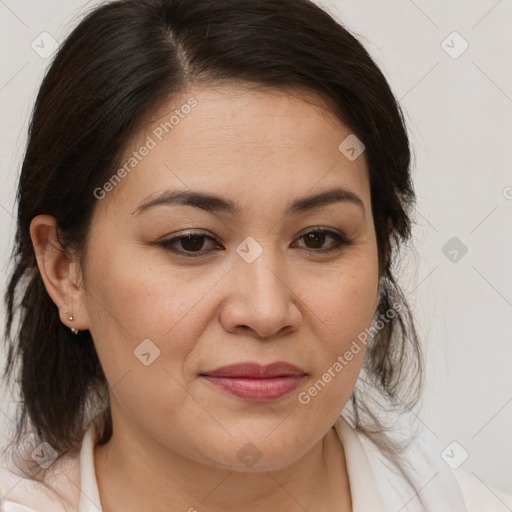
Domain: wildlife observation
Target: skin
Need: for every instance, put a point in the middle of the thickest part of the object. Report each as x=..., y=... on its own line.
x=176, y=436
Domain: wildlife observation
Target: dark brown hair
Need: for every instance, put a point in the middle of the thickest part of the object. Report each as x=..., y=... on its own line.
x=119, y=65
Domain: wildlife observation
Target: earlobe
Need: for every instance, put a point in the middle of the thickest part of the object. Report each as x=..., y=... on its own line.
x=58, y=271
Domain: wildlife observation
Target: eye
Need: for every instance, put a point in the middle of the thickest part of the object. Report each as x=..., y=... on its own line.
x=192, y=244
x=316, y=239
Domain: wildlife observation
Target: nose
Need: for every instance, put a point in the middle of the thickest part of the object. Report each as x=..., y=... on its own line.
x=261, y=298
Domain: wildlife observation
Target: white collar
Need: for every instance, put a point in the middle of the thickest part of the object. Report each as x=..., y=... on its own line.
x=420, y=473
x=363, y=488
x=89, y=495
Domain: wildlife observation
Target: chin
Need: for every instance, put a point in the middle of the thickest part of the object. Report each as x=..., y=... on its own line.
x=258, y=453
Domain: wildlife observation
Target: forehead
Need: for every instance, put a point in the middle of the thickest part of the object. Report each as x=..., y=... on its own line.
x=250, y=118
x=224, y=137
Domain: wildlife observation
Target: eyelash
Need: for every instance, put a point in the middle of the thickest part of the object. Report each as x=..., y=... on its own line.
x=340, y=239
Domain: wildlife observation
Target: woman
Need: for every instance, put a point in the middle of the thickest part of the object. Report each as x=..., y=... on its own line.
x=209, y=206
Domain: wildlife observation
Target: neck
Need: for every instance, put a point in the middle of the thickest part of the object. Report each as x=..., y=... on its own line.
x=150, y=477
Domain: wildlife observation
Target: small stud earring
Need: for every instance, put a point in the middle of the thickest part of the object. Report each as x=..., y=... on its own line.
x=71, y=318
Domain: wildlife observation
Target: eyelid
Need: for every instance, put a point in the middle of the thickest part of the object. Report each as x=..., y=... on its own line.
x=168, y=243
x=341, y=239
x=322, y=229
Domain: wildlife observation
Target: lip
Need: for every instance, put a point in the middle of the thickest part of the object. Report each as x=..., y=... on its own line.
x=257, y=383
x=256, y=371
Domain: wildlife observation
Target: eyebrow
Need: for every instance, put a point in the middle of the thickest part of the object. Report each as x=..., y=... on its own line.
x=214, y=203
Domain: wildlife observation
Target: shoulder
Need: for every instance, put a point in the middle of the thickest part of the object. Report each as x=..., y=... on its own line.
x=475, y=494
x=420, y=480
x=21, y=493
x=479, y=495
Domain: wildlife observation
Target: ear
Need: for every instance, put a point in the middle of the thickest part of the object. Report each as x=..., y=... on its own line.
x=60, y=272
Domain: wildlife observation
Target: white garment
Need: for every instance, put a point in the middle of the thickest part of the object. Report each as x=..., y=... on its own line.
x=375, y=484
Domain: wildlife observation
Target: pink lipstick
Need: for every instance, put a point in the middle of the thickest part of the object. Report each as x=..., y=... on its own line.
x=257, y=383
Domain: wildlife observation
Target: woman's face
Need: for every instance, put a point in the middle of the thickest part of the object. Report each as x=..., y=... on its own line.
x=251, y=286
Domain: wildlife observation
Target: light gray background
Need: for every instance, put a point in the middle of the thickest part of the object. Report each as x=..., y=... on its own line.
x=459, y=112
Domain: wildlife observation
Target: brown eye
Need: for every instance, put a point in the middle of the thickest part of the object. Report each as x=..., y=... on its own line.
x=188, y=245
x=193, y=244
x=315, y=240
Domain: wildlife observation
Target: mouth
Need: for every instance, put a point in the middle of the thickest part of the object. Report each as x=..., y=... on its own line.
x=256, y=383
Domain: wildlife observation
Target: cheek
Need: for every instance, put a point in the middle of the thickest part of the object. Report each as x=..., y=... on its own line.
x=342, y=309
x=344, y=303
x=135, y=313
x=133, y=298
x=133, y=295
